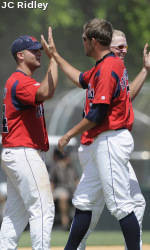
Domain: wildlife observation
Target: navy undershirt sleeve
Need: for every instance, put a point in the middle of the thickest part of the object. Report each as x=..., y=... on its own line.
x=97, y=113
x=82, y=82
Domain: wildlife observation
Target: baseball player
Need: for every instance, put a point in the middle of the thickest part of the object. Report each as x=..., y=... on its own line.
x=106, y=141
x=119, y=47
x=24, y=140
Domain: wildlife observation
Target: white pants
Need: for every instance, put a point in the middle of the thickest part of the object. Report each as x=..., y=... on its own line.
x=29, y=199
x=109, y=178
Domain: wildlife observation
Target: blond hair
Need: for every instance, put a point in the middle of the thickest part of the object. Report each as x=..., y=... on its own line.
x=118, y=33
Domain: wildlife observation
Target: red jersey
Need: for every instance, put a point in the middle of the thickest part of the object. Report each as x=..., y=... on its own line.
x=107, y=83
x=23, y=118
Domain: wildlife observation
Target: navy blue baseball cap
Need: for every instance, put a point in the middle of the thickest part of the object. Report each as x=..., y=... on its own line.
x=25, y=42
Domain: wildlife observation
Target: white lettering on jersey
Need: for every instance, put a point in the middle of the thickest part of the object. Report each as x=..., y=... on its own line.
x=90, y=92
x=124, y=80
x=40, y=110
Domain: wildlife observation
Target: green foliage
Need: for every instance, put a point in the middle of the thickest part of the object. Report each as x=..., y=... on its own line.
x=131, y=16
x=59, y=14
x=62, y=13
x=67, y=18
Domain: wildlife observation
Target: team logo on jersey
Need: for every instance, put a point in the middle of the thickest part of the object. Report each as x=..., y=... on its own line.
x=36, y=84
x=90, y=92
x=124, y=80
x=103, y=97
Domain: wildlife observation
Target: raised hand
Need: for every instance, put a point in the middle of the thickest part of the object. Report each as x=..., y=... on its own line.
x=146, y=57
x=49, y=47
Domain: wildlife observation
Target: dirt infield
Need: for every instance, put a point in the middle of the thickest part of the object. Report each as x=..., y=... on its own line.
x=145, y=247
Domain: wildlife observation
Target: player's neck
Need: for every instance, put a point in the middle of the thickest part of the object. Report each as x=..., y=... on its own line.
x=100, y=54
x=25, y=69
x=99, y=51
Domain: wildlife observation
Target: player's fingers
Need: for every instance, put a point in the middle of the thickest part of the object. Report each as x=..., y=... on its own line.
x=60, y=147
x=50, y=31
x=43, y=42
x=145, y=49
x=50, y=36
x=42, y=38
x=45, y=46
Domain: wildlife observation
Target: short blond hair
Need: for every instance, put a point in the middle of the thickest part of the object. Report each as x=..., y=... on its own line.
x=118, y=33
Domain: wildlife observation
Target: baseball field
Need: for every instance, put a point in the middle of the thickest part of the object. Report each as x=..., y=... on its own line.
x=145, y=247
x=99, y=240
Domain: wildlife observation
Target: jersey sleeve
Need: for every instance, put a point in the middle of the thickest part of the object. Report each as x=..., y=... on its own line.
x=105, y=86
x=26, y=91
x=84, y=78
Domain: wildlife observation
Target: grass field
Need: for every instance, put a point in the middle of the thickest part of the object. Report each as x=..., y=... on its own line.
x=98, y=238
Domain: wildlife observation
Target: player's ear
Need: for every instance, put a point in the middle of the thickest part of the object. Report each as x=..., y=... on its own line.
x=20, y=55
x=94, y=42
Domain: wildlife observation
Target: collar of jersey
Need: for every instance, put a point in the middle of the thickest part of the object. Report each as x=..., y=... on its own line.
x=21, y=72
x=107, y=55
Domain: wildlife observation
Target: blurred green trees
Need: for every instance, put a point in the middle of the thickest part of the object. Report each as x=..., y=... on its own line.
x=67, y=18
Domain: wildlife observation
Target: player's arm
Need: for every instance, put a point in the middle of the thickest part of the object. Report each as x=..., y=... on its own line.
x=48, y=85
x=67, y=68
x=138, y=82
x=95, y=116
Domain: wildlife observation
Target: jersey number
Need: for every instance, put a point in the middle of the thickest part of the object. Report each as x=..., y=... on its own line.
x=4, y=120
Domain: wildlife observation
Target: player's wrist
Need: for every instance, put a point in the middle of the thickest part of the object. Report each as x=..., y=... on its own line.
x=56, y=56
x=53, y=61
x=145, y=70
x=68, y=137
